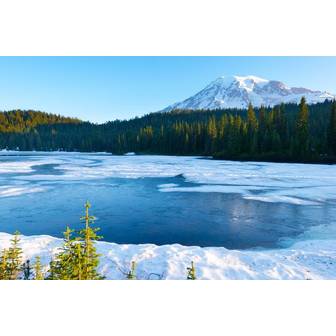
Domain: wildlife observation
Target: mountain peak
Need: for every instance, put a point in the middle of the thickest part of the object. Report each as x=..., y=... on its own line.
x=243, y=82
x=239, y=91
x=241, y=79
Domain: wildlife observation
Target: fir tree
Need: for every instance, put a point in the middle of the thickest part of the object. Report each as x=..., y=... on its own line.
x=262, y=128
x=131, y=275
x=87, y=237
x=191, y=272
x=78, y=263
x=4, y=265
x=211, y=135
x=14, y=258
x=51, y=274
x=252, y=129
x=302, y=131
x=63, y=266
x=332, y=129
x=38, y=274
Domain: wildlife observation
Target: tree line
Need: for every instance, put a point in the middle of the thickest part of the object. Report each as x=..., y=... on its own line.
x=287, y=132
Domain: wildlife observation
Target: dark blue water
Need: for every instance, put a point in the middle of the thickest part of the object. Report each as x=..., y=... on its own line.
x=135, y=211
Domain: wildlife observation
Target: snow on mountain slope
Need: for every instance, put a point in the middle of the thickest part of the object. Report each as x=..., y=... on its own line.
x=238, y=92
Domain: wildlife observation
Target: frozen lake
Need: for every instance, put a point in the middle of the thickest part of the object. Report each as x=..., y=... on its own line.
x=165, y=200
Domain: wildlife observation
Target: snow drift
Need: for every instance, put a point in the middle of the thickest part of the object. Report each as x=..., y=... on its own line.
x=315, y=259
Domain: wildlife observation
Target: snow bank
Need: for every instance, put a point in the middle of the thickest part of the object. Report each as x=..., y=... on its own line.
x=315, y=259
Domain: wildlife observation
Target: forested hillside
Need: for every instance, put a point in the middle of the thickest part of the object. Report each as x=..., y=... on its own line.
x=23, y=121
x=288, y=132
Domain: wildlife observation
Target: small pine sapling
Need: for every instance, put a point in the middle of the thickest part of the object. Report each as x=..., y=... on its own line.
x=87, y=238
x=191, y=272
x=4, y=264
x=14, y=258
x=62, y=267
x=131, y=275
x=51, y=271
x=38, y=274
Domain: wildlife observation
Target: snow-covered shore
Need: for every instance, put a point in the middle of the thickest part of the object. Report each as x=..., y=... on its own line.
x=311, y=259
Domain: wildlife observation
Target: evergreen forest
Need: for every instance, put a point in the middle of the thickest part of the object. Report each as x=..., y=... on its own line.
x=284, y=133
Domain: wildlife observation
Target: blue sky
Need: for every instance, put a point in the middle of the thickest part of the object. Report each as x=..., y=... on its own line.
x=107, y=88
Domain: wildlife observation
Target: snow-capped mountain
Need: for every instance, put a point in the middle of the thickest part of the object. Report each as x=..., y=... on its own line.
x=238, y=92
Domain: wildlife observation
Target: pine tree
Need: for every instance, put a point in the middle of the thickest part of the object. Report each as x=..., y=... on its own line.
x=252, y=120
x=14, y=258
x=191, y=272
x=63, y=266
x=38, y=274
x=276, y=142
x=332, y=129
x=4, y=265
x=131, y=275
x=252, y=129
x=51, y=273
x=262, y=128
x=78, y=263
x=211, y=135
x=302, y=131
x=66, y=262
x=87, y=237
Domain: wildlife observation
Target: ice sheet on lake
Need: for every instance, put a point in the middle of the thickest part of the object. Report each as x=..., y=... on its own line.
x=302, y=184
x=16, y=167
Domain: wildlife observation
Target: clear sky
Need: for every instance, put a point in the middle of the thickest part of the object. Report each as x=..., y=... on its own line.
x=106, y=88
